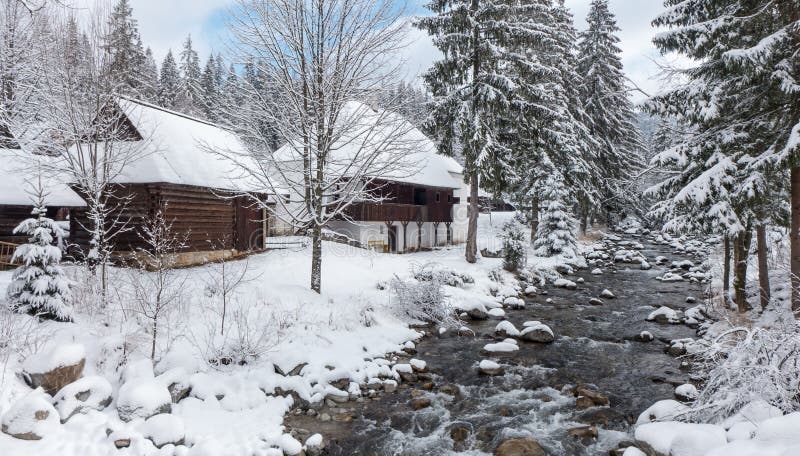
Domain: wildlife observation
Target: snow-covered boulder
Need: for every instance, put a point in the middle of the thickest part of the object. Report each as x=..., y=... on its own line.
x=645, y=336
x=785, y=427
x=670, y=277
x=644, y=265
x=501, y=347
x=164, y=429
x=140, y=368
x=512, y=302
x=535, y=331
x=55, y=367
x=506, y=329
x=607, y=294
x=753, y=412
x=672, y=438
x=665, y=410
x=178, y=383
x=664, y=315
x=143, y=398
x=497, y=313
x=564, y=283
x=30, y=418
x=489, y=367
x=597, y=271
x=686, y=392
x=87, y=393
x=314, y=445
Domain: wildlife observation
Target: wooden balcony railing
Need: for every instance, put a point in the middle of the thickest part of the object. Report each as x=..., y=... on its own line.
x=392, y=212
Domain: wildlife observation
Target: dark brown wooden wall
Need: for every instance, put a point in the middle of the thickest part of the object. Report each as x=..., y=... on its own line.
x=11, y=216
x=206, y=217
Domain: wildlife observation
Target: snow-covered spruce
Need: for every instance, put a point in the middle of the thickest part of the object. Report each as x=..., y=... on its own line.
x=557, y=227
x=39, y=286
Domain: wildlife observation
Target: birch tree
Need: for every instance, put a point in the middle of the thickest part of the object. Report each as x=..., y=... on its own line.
x=319, y=57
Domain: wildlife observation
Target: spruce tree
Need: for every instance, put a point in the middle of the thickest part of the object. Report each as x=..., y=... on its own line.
x=150, y=77
x=556, y=230
x=611, y=119
x=169, y=83
x=472, y=95
x=124, y=47
x=210, y=89
x=191, y=93
x=39, y=286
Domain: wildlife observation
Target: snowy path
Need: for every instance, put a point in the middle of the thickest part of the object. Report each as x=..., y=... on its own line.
x=594, y=345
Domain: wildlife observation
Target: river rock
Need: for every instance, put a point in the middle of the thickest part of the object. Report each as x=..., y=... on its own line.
x=607, y=294
x=595, y=396
x=564, y=283
x=583, y=402
x=30, y=418
x=452, y=390
x=645, y=336
x=54, y=368
x=143, y=398
x=506, y=329
x=487, y=367
x=520, y=447
x=535, y=331
x=88, y=393
x=477, y=313
x=164, y=429
x=459, y=433
x=314, y=445
x=596, y=301
x=420, y=403
x=686, y=392
x=583, y=432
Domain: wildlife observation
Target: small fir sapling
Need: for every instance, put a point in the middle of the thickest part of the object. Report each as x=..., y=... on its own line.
x=39, y=286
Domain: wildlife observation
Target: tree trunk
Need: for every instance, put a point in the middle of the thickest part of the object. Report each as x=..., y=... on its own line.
x=584, y=219
x=472, y=227
x=741, y=249
x=316, y=258
x=763, y=268
x=534, y=217
x=794, y=237
x=726, y=271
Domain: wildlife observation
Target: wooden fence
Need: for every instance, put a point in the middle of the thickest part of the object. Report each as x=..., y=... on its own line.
x=6, y=254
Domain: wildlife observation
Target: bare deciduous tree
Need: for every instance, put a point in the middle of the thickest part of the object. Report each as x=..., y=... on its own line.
x=87, y=133
x=317, y=59
x=156, y=285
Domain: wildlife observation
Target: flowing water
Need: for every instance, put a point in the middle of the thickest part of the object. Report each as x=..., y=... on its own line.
x=594, y=345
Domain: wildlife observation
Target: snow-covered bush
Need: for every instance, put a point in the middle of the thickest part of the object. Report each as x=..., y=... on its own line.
x=251, y=331
x=39, y=286
x=423, y=300
x=515, y=246
x=431, y=271
x=743, y=365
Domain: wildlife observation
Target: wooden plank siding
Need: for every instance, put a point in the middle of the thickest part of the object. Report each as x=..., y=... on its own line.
x=12, y=216
x=210, y=220
x=405, y=203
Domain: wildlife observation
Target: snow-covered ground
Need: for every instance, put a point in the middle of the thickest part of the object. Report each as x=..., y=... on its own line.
x=274, y=324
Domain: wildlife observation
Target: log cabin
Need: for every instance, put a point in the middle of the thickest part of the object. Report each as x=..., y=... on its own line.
x=181, y=169
x=419, y=204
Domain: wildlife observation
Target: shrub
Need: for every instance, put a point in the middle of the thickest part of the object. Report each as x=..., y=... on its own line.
x=514, y=246
x=423, y=299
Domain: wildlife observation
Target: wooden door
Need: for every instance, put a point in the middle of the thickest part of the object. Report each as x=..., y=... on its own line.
x=392, y=231
x=247, y=231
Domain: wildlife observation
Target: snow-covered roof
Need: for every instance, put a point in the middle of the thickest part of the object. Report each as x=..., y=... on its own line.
x=180, y=149
x=17, y=177
x=409, y=156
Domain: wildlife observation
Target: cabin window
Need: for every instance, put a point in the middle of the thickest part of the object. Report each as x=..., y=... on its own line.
x=449, y=198
x=437, y=197
x=420, y=197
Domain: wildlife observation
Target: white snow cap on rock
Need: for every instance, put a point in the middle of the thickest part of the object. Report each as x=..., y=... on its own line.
x=163, y=429
x=22, y=419
x=53, y=357
x=665, y=410
x=681, y=439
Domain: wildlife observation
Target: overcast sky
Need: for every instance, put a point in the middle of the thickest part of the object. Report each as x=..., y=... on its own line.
x=164, y=24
